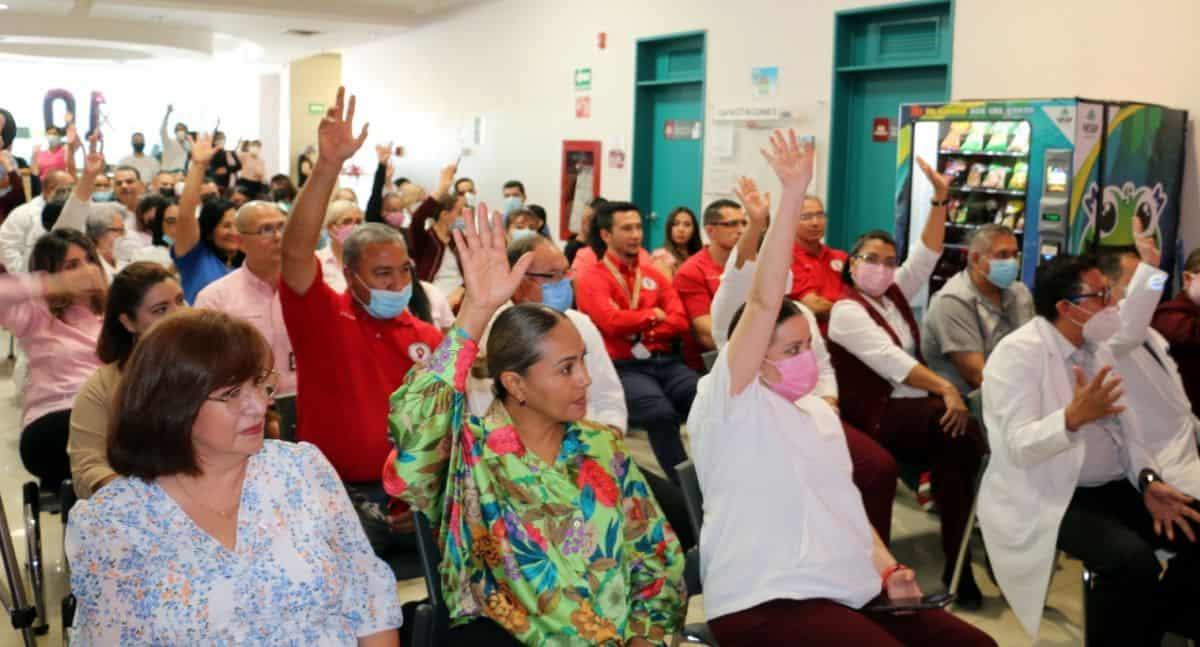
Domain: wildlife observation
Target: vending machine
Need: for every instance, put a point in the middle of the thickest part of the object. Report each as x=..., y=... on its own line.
x=1066, y=175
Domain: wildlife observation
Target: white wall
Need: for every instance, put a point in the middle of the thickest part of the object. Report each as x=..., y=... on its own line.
x=512, y=61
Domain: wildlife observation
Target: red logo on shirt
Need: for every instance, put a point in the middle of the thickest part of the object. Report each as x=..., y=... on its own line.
x=648, y=283
x=836, y=265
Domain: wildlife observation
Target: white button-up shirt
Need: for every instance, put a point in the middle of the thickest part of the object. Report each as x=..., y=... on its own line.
x=852, y=327
x=242, y=294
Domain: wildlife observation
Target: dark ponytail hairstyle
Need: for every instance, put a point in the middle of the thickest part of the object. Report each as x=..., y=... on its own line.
x=515, y=341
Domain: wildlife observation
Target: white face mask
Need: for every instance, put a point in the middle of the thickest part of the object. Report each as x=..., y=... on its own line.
x=1103, y=325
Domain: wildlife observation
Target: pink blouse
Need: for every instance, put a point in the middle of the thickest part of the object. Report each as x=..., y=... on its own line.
x=61, y=352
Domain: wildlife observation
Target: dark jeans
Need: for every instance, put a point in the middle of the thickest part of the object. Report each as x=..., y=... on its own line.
x=821, y=622
x=659, y=393
x=912, y=431
x=481, y=632
x=44, y=448
x=1110, y=530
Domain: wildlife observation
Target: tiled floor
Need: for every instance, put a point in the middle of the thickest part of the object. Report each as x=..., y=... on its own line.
x=915, y=542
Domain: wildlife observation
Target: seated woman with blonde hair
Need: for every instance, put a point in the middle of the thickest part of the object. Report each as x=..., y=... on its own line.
x=213, y=535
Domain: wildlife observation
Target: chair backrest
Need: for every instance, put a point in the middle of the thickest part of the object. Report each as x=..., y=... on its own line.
x=709, y=358
x=431, y=559
x=693, y=500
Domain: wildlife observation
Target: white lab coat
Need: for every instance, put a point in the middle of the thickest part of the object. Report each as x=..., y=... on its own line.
x=1035, y=463
x=1168, y=425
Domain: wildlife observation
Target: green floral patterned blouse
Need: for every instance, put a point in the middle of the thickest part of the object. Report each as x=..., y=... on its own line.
x=573, y=553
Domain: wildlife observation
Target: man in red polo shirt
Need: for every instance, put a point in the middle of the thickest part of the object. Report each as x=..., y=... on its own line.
x=816, y=268
x=352, y=349
x=699, y=277
x=641, y=318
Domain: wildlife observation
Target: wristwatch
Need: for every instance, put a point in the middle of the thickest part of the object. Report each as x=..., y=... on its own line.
x=939, y=203
x=1146, y=477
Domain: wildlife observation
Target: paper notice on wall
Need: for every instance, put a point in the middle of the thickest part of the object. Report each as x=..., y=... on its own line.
x=719, y=181
x=723, y=141
x=764, y=81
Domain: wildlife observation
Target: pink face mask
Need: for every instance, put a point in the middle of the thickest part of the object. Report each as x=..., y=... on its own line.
x=873, y=279
x=797, y=375
x=394, y=218
x=341, y=232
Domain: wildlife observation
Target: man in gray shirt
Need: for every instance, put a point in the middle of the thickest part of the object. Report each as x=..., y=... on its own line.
x=976, y=308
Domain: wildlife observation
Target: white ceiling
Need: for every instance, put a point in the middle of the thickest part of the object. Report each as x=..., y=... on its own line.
x=254, y=31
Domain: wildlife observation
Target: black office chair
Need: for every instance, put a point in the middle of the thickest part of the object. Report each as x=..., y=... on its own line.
x=68, y=499
x=431, y=621
x=693, y=499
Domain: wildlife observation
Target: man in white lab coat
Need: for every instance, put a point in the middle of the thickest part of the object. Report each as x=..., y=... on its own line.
x=1070, y=470
x=1153, y=386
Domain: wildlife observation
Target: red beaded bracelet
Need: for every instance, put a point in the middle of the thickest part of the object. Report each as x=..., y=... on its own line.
x=890, y=571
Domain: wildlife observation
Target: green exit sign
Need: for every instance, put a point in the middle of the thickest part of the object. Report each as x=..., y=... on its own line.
x=316, y=108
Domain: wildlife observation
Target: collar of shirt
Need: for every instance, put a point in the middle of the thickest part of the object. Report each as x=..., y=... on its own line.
x=627, y=270
x=254, y=282
x=1080, y=356
x=799, y=252
x=498, y=417
x=1007, y=297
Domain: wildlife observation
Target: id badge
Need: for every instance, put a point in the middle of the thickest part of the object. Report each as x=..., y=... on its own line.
x=640, y=351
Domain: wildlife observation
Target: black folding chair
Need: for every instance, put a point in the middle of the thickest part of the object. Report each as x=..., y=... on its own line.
x=431, y=621
x=693, y=499
x=15, y=600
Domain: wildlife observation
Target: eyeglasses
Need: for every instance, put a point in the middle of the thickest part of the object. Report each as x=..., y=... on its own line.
x=733, y=223
x=115, y=230
x=1104, y=295
x=872, y=259
x=266, y=230
x=812, y=215
x=551, y=277
x=266, y=384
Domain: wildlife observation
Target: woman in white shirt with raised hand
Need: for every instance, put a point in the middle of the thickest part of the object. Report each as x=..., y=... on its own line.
x=786, y=548
x=875, y=345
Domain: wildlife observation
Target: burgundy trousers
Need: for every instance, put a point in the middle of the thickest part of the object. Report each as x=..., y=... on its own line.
x=912, y=431
x=784, y=623
x=875, y=474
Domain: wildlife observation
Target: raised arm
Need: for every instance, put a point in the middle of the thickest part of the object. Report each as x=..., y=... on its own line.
x=748, y=346
x=758, y=209
x=336, y=143
x=934, y=233
x=75, y=212
x=73, y=144
x=374, y=212
x=162, y=128
x=187, y=230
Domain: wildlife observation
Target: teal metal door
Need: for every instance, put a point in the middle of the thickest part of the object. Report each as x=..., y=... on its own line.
x=676, y=156
x=869, y=198
x=668, y=141
x=883, y=56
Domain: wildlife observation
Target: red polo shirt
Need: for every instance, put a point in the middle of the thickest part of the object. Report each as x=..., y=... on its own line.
x=696, y=282
x=821, y=273
x=606, y=300
x=348, y=365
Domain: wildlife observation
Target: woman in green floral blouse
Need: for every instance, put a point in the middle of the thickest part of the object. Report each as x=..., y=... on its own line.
x=551, y=536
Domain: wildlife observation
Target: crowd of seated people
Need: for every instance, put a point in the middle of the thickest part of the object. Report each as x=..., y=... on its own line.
x=255, y=387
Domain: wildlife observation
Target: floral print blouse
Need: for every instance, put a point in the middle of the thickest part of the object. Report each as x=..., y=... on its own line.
x=302, y=572
x=576, y=552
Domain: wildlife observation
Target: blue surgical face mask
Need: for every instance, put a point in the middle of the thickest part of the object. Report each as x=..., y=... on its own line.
x=323, y=241
x=519, y=234
x=102, y=196
x=1003, y=272
x=512, y=203
x=460, y=224
x=386, y=304
x=168, y=240
x=559, y=296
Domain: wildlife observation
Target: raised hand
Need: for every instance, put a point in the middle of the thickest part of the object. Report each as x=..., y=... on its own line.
x=792, y=163
x=1094, y=399
x=1170, y=508
x=202, y=148
x=85, y=280
x=73, y=142
x=1147, y=246
x=941, y=183
x=93, y=163
x=483, y=256
x=383, y=152
x=757, y=204
x=336, y=142
x=446, y=179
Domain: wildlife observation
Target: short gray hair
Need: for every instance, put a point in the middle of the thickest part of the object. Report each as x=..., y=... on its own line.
x=242, y=219
x=371, y=233
x=985, y=236
x=99, y=221
x=339, y=208
x=523, y=246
